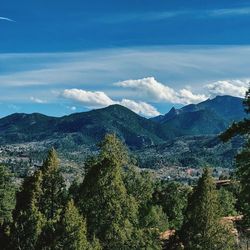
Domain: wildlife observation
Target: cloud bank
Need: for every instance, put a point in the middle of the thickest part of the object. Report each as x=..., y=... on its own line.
x=91, y=99
x=150, y=89
x=98, y=99
x=236, y=88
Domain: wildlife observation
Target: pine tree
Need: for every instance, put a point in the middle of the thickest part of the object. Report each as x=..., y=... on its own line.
x=243, y=158
x=7, y=204
x=38, y=207
x=28, y=220
x=152, y=219
x=53, y=194
x=202, y=228
x=173, y=197
x=243, y=173
x=7, y=196
x=120, y=217
x=51, y=200
x=104, y=201
x=72, y=231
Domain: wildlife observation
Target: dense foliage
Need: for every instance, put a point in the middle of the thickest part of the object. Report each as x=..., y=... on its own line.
x=243, y=158
x=115, y=206
x=173, y=197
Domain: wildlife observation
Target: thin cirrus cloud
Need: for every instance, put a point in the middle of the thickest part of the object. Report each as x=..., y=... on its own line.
x=178, y=65
x=6, y=19
x=164, y=15
x=98, y=99
x=150, y=89
x=230, y=12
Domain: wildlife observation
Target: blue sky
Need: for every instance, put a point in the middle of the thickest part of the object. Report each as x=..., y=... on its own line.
x=59, y=57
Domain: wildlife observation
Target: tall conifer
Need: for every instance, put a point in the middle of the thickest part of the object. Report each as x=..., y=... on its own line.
x=72, y=231
x=109, y=210
x=202, y=228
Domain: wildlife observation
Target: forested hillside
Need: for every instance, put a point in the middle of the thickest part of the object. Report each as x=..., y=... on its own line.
x=115, y=207
x=183, y=138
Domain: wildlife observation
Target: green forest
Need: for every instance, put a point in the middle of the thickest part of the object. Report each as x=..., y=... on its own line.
x=116, y=206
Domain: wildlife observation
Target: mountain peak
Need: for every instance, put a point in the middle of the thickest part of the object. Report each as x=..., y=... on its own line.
x=226, y=107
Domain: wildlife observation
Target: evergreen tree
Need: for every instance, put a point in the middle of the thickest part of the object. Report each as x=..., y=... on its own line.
x=53, y=194
x=243, y=173
x=28, y=220
x=51, y=200
x=152, y=219
x=202, y=228
x=227, y=202
x=7, y=204
x=173, y=198
x=7, y=196
x=72, y=231
x=109, y=210
x=138, y=184
x=118, y=214
x=38, y=207
x=243, y=158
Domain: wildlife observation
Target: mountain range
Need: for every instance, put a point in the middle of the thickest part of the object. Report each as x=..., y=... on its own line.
x=187, y=136
x=210, y=117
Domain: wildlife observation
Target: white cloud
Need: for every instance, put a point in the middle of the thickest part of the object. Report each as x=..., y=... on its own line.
x=187, y=97
x=37, y=100
x=38, y=74
x=230, y=87
x=141, y=108
x=6, y=19
x=92, y=99
x=148, y=88
x=99, y=99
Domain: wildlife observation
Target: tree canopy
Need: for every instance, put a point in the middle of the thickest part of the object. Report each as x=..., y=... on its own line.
x=243, y=158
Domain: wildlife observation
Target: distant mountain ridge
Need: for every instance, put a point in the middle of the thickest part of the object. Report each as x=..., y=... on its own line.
x=185, y=137
x=209, y=117
x=227, y=107
x=206, y=118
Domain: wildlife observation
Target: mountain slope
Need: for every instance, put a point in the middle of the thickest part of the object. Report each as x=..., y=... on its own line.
x=89, y=126
x=210, y=117
x=202, y=122
x=207, y=118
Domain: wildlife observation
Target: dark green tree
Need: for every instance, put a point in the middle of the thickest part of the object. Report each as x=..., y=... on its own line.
x=109, y=210
x=242, y=159
x=202, y=228
x=52, y=199
x=7, y=204
x=7, y=196
x=152, y=219
x=227, y=201
x=173, y=198
x=140, y=185
x=28, y=221
x=53, y=195
x=72, y=230
x=38, y=207
x=155, y=218
x=110, y=204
